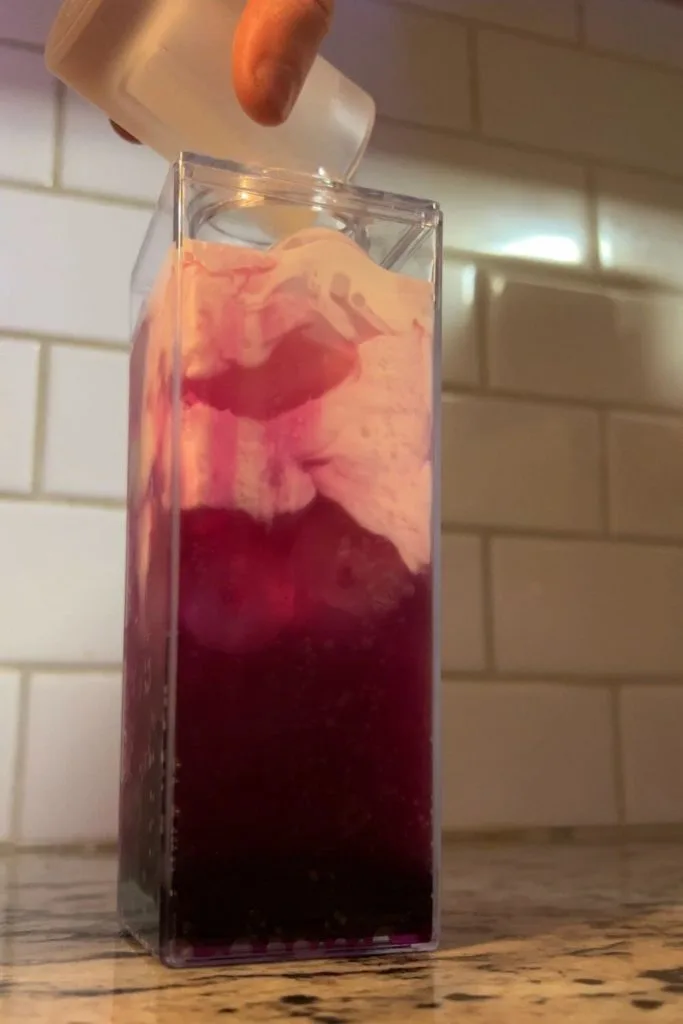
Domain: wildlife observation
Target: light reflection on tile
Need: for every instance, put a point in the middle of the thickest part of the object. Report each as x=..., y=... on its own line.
x=495, y=200
x=640, y=224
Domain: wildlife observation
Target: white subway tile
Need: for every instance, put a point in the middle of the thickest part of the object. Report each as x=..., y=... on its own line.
x=414, y=67
x=87, y=410
x=27, y=21
x=647, y=29
x=578, y=343
x=71, y=773
x=640, y=224
x=554, y=18
x=94, y=158
x=65, y=264
x=460, y=359
x=576, y=102
x=462, y=629
x=587, y=608
x=652, y=751
x=646, y=475
x=62, y=583
x=27, y=117
x=9, y=731
x=519, y=465
x=494, y=200
x=526, y=755
x=18, y=391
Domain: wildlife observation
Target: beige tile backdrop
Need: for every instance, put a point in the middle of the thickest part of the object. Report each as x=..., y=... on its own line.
x=551, y=132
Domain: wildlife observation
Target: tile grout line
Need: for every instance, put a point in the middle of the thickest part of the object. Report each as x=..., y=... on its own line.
x=20, y=44
x=581, y=28
x=594, y=257
x=84, y=195
x=58, y=339
x=495, y=393
x=574, y=159
x=541, y=835
x=448, y=676
x=43, y=497
x=491, y=836
x=40, y=432
x=92, y=849
x=555, y=678
x=482, y=296
x=472, y=57
x=487, y=609
x=567, y=42
x=60, y=123
x=62, y=667
x=618, y=766
x=543, y=534
x=92, y=501
x=577, y=274
x=605, y=473
x=20, y=755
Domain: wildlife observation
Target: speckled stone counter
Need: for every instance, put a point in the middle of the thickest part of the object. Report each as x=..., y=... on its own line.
x=588, y=934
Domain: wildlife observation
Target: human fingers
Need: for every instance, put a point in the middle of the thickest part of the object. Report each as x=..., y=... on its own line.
x=274, y=47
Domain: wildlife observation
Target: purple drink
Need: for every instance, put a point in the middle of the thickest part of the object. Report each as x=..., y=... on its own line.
x=279, y=626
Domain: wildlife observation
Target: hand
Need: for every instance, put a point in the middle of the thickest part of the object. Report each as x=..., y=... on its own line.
x=274, y=47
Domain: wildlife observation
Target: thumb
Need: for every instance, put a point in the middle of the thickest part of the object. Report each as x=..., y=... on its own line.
x=275, y=45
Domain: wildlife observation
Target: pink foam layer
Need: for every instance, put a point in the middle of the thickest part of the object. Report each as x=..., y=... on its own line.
x=305, y=370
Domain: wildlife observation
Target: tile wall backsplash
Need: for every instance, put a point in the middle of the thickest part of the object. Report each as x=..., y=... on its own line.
x=550, y=131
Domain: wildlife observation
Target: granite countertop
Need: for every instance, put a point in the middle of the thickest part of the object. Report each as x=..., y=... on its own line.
x=531, y=934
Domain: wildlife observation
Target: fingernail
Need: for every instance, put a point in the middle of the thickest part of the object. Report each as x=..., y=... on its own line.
x=279, y=86
x=122, y=133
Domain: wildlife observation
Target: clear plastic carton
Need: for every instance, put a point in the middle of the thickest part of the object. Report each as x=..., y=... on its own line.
x=279, y=792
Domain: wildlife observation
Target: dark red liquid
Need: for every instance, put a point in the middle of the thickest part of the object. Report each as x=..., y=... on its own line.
x=303, y=787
